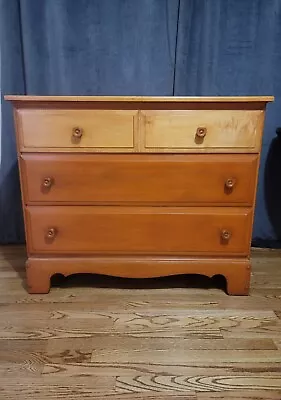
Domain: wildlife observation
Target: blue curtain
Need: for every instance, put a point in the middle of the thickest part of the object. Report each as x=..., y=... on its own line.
x=12, y=81
x=146, y=47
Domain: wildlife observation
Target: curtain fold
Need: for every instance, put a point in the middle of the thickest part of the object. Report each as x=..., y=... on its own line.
x=148, y=47
x=12, y=81
x=99, y=47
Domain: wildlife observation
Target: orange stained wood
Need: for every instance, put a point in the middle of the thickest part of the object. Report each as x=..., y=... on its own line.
x=201, y=130
x=138, y=230
x=149, y=99
x=236, y=270
x=140, y=178
x=99, y=129
x=153, y=212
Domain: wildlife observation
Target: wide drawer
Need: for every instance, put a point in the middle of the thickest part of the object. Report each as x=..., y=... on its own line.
x=103, y=130
x=138, y=230
x=201, y=130
x=162, y=179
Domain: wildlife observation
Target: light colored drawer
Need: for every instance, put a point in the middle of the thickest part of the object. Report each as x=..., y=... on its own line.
x=56, y=130
x=138, y=230
x=140, y=178
x=202, y=130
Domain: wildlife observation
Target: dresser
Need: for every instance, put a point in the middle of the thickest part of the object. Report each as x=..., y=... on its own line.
x=138, y=187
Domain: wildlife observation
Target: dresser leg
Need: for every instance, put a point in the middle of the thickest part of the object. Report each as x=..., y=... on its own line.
x=238, y=281
x=38, y=279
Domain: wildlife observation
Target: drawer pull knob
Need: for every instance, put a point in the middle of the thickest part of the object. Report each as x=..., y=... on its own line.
x=201, y=132
x=51, y=233
x=230, y=183
x=77, y=132
x=225, y=235
x=47, y=182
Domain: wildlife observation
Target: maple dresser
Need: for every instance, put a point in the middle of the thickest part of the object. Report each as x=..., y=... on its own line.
x=139, y=186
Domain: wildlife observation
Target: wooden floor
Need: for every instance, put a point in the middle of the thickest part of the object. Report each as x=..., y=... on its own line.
x=170, y=338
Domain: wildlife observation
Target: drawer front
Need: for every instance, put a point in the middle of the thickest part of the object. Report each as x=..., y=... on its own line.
x=202, y=130
x=138, y=230
x=140, y=178
x=102, y=130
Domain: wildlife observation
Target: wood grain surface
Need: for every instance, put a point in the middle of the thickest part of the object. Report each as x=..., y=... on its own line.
x=139, y=230
x=149, y=99
x=139, y=179
x=98, y=129
x=170, y=338
x=235, y=270
x=144, y=208
x=176, y=131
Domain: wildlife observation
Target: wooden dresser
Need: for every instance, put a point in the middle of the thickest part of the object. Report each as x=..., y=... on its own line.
x=139, y=186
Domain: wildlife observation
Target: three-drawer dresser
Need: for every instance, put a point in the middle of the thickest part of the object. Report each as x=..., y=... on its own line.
x=139, y=186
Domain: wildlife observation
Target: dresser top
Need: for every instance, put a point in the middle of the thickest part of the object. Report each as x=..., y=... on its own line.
x=144, y=99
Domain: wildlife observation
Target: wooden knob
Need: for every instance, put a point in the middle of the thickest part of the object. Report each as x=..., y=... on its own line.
x=77, y=132
x=51, y=233
x=201, y=132
x=230, y=183
x=225, y=234
x=47, y=182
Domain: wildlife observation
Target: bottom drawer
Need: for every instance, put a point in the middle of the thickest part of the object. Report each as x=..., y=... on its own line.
x=138, y=230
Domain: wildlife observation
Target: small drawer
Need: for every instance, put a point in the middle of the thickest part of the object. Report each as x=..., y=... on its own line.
x=138, y=230
x=202, y=130
x=58, y=130
x=140, y=178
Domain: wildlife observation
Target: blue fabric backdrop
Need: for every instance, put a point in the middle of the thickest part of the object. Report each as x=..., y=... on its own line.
x=146, y=47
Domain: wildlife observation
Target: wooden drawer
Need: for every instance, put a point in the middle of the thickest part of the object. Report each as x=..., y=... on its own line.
x=201, y=130
x=140, y=178
x=100, y=130
x=138, y=230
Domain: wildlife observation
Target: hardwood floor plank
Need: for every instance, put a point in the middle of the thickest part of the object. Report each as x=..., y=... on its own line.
x=163, y=318
x=49, y=387
x=70, y=350
x=177, y=317
x=85, y=331
x=270, y=328
x=138, y=300
x=48, y=329
x=193, y=368
x=30, y=346
x=259, y=324
x=60, y=325
x=116, y=342
x=21, y=357
x=265, y=293
x=208, y=324
x=252, y=394
x=264, y=281
x=197, y=384
x=181, y=357
x=19, y=370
